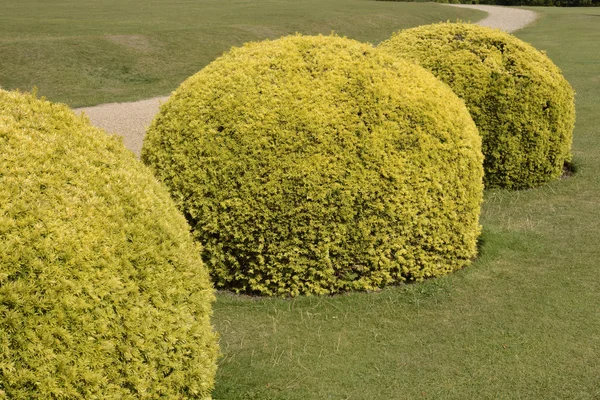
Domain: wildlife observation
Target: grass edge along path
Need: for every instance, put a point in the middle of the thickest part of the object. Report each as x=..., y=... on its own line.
x=508, y=19
x=131, y=119
x=111, y=51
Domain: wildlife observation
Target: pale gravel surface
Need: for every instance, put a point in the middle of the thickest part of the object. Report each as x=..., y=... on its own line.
x=130, y=120
x=504, y=18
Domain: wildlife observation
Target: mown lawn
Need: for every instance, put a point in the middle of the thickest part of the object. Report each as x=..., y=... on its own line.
x=91, y=52
x=523, y=322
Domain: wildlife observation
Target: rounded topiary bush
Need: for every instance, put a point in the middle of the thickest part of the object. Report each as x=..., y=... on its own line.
x=318, y=165
x=103, y=294
x=523, y=106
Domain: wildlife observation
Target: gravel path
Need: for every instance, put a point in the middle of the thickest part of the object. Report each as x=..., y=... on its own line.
x=130, y=120
x=504, y=18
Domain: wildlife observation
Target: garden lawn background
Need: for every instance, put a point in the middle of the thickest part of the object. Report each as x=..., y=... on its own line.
x=93, y=52
x=523, y=322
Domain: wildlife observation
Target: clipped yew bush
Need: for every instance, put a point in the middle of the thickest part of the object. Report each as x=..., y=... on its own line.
x=103, y=294
x=319, y=165
x=523, y=106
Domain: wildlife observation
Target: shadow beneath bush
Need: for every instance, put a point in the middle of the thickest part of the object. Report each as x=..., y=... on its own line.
x=569, y=169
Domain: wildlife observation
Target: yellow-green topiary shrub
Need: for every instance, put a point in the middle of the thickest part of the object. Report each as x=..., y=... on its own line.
x=103, y=294
x=319, y=165
x=523, y=106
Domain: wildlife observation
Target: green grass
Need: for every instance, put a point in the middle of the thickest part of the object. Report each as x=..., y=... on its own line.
x=523, y=322
x=90, y=52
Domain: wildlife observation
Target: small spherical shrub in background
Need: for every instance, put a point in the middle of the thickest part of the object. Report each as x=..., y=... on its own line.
x=319, y=165
x=103, y=294
x=523, y=106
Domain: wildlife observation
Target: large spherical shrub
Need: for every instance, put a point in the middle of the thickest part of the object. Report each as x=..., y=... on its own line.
x=519, y=100
x=103, y=294
x=319, y=164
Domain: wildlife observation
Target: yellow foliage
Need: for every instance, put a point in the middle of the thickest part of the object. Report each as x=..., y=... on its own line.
x=319, y=165
x=523, y=106
x=103, y=294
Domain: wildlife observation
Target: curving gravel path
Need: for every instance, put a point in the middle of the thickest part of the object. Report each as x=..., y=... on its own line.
x=130, y=120
x=504, y=18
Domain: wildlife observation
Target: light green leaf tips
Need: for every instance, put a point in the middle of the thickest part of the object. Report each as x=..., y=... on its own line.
x=522, y=105
x=316, y=165
x=103, y=294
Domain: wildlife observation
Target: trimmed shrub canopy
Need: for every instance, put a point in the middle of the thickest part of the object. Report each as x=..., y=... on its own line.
x=519, y=100
x=103, y=294
x=318, y=165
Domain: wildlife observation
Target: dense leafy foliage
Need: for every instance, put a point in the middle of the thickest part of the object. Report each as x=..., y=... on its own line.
x=523, y=106
x=318, y=165
x=103, y=294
